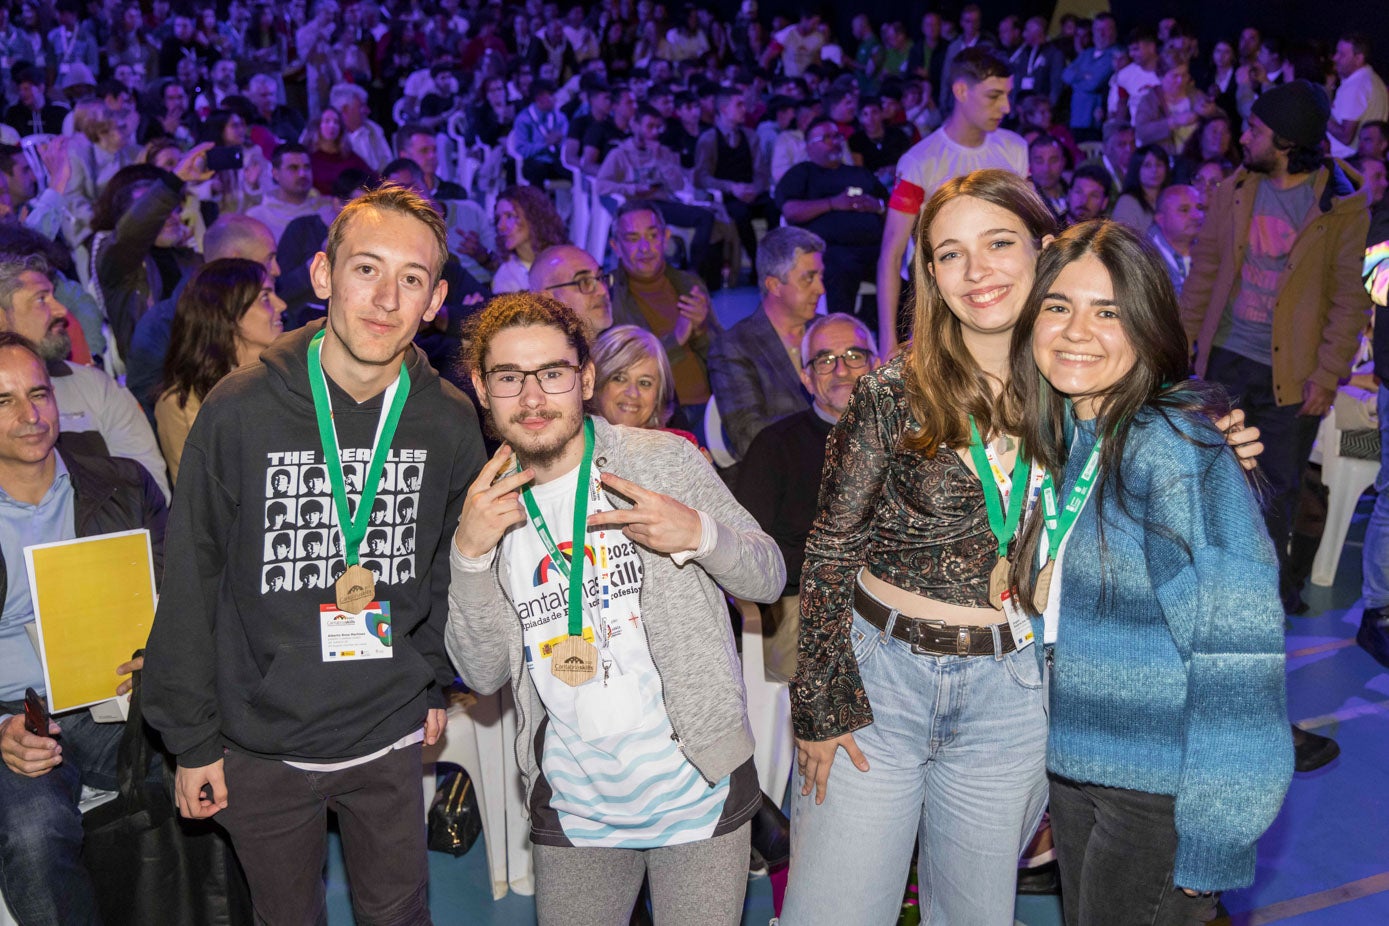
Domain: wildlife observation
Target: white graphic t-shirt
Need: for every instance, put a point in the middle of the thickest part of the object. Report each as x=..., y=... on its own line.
x=630, y=789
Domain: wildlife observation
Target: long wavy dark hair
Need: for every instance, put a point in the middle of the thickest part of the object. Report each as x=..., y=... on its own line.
x=202, y=342
x=1149, y=316
x=546, y=225
x=944, y=384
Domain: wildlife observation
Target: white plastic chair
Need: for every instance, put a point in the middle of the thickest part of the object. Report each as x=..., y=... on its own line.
x=581, y=217
x=33, y=146
x=480, y=740
x=1346, y=479
x=769, y=710
x=723, y=454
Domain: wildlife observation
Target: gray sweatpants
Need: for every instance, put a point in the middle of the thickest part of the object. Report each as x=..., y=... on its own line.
x=694, y=884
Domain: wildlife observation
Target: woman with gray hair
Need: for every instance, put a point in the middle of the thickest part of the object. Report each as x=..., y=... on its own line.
x=633, y=385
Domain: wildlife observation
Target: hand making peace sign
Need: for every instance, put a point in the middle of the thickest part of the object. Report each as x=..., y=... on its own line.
x=657, y=522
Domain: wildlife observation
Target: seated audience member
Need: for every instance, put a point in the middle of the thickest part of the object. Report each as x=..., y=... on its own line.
x=366, y=137
x=878, y=146
x=1209, y=176
x=670, y=303
x=682, y=131
x=233, y=190
x=632, y=382
x=1169, y=114
x=572, y=276
x=527, y=224
x=39, y=234
x=601, y=137
x=843, y=205
x=755, y=366
x=779, y=478
x=99, y=149
x=643, y=168
x=98, y=416
x=595, y=104
x=1035, y=118
x=167, y=113
x=1374, y=140
x=1046, y=158
x=789, y=148
x=491, y=117
x=293, y=193
x=1372, y=173
x=1150, y=169
x=1118, y=142
x=17, y=177
x=286, y=123
x=1213, y=140
x=330, y=151
x=1088, y=197
x=780, y=116
x=1176, y=223
x=33, y=114
x=231, y=236
x=140, y=246
x=419, y=144
x=227, y=314
x=727, y=160
x=539, y=131
x=54, y=495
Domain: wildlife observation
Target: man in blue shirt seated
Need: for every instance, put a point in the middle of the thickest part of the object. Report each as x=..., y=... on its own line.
x=48, y=495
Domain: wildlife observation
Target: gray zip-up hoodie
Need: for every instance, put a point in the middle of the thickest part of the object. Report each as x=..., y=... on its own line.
x=682, y=608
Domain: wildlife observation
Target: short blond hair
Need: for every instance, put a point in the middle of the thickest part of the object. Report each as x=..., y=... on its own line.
x=391, y=197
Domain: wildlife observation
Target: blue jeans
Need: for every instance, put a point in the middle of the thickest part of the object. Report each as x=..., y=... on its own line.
x=41, y=871
x=957, y=759
x=1375, y=559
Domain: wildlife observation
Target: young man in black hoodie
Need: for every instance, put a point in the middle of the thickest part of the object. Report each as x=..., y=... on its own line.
x=284, y=696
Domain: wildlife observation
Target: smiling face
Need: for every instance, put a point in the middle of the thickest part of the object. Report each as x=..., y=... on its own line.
x=261, y=323
x=640, y=242
x=983, y=261
x=539, y=426
x=28, y=411
x=36, y=313
x=799, y=294
x=832, y=389
x=629, y=396
x=379, y=288
x=1078, y=342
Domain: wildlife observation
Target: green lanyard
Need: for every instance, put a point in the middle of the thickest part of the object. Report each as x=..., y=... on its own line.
x=1003, y=528
x=354, y=529
x=1058, y=526
x=573, y=568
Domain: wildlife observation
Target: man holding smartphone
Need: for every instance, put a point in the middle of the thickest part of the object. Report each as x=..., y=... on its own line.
x=844, y=205
x=48, y=495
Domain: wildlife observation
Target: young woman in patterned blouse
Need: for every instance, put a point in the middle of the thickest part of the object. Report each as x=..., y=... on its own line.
x=897, y=609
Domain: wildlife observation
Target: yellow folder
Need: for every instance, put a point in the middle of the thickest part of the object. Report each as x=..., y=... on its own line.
x=93, y=606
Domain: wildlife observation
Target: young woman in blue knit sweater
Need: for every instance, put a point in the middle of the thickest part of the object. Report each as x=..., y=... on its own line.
x=1169, y=749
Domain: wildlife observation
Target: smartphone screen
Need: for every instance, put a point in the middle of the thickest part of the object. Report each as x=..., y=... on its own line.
x=226, y=157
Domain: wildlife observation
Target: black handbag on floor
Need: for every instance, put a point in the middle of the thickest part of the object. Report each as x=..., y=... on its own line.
x=455, y=819
x=149, y=866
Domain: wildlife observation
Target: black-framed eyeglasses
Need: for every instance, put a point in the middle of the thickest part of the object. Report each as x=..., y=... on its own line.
x=587, y=283
x=555, y=380
x=855, y=358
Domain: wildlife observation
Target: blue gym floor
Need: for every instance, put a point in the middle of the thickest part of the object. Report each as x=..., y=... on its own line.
x=1325, y=862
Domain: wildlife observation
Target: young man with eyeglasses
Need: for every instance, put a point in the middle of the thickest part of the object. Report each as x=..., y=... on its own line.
x=572, y=276
x=779, y=478
x=637, y=756
x=844, y=205
x=282, y=699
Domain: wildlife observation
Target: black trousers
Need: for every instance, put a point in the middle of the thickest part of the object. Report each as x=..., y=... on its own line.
x=845, y=268
x=537, y=171
x=1116, y=850
x=1287, y=438
x=277, y=816
x=742, y=215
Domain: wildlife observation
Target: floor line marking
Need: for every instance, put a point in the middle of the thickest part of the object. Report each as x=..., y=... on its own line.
x=1347, y=713
x=1321, y=648
x=1296, y=906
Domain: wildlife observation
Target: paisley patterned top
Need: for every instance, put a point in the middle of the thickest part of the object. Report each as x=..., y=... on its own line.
x=919, y=523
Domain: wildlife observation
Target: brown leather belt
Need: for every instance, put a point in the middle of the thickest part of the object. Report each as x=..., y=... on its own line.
x=935, y=638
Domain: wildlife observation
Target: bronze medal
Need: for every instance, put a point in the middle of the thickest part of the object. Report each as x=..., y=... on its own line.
x=356, y=589
x=1043, y=588
x=574, y=661
x=998, y=583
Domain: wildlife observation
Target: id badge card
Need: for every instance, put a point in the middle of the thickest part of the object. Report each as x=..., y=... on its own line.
x=349, y=637
x=608, y=708
x=1018, y=622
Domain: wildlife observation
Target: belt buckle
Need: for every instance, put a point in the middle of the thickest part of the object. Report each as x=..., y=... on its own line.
x=962, y=641
x=914, y=634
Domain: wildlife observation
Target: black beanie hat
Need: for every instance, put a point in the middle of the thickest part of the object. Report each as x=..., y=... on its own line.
x=1296, y=111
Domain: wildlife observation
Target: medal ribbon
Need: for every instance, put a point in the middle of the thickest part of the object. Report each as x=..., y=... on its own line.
x=573, y=568
x=1059, y=525
x=354, y=530
x=992, y=479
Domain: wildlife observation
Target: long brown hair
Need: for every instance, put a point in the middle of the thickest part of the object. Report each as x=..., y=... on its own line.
x=944, y=384
x=202, y=341
x=1151, y=321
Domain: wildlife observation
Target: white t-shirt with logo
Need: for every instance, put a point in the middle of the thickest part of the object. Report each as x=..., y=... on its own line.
x=633, y=789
